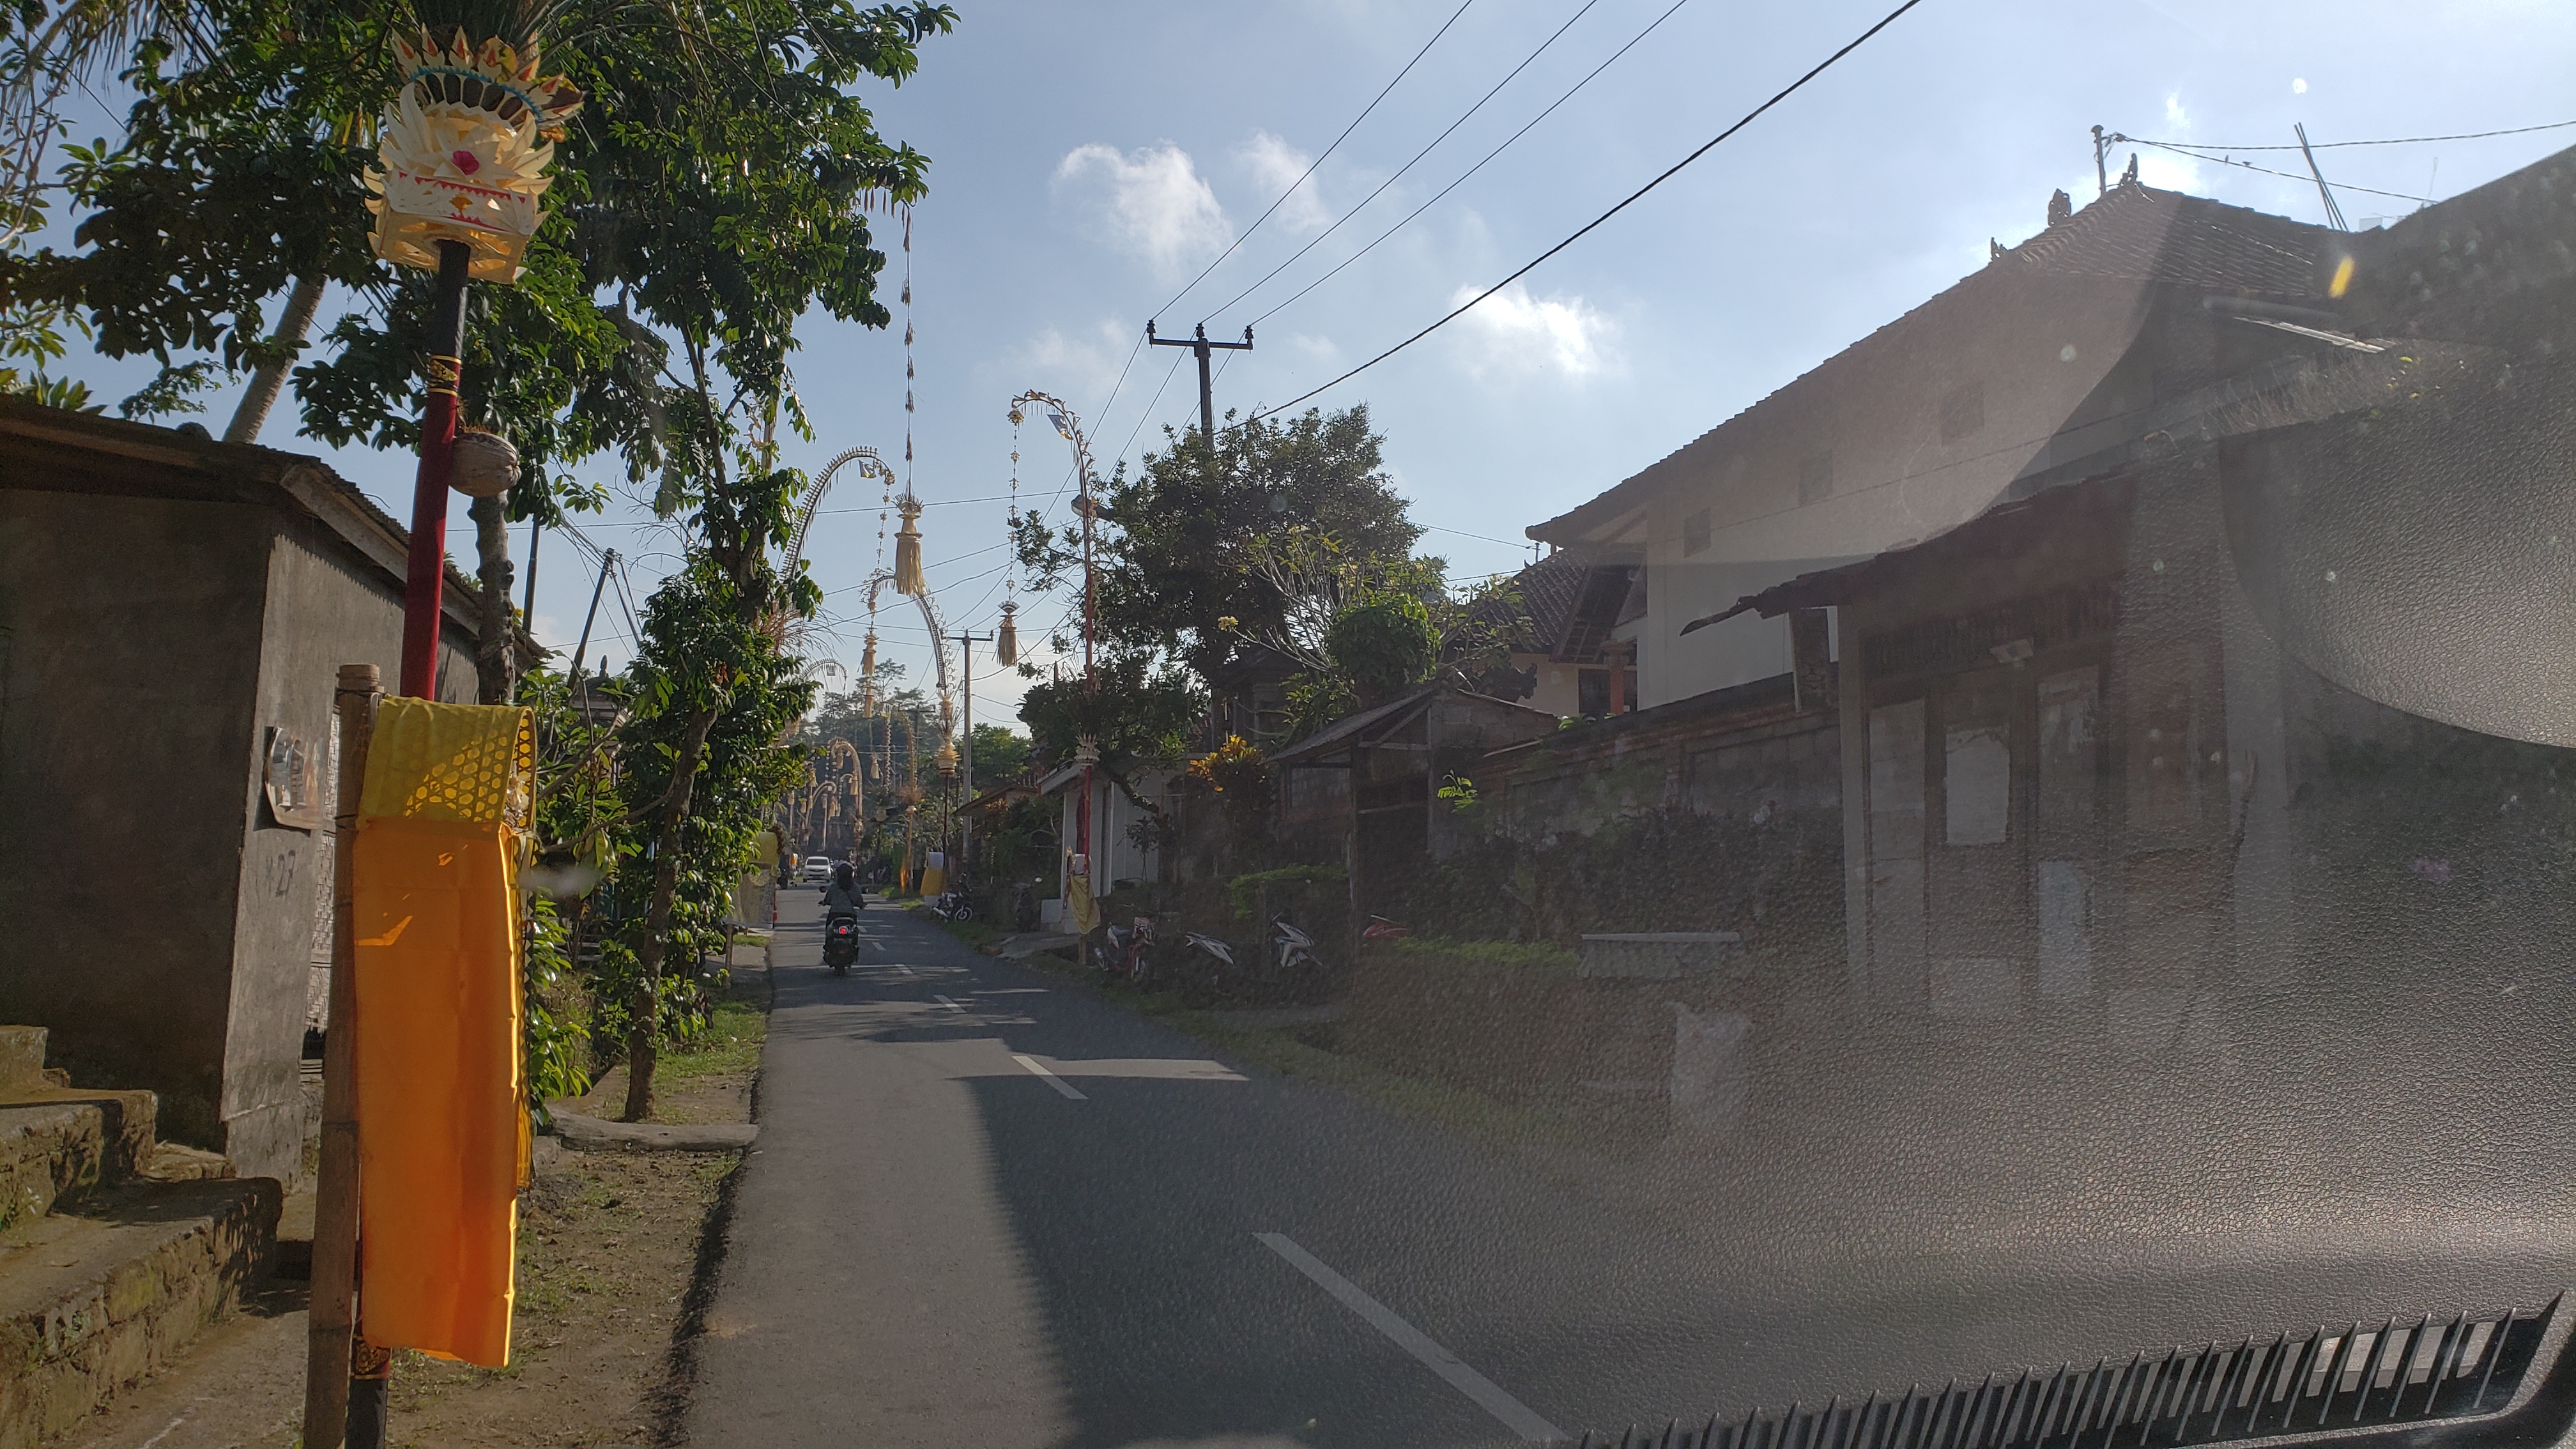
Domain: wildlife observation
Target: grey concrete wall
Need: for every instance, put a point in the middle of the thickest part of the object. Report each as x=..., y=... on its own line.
x=157, y=918
x=324, y=610
x=126, y=722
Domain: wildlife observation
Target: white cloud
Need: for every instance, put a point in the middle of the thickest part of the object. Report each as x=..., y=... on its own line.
x=1514, y=334
x=1319, y=349
x=1072, y=363
x=1275, y=166
x=2298, y=86
x=1150, y=203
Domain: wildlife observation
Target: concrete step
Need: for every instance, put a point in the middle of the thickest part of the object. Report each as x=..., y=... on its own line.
x=94, y=1297
x=58, y=1142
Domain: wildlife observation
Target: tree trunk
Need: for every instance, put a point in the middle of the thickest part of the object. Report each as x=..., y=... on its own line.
x=646, y=1005
x=270, y=380
x=496, y=662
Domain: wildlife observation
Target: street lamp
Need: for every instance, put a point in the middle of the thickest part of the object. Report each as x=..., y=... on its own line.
x=1068, y=426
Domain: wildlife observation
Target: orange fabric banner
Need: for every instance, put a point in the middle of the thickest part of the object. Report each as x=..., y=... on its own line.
x=442, y=1101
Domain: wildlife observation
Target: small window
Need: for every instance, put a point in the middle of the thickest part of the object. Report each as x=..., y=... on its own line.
x=1695, y=533
x=1963, y=411
x=1816, y=479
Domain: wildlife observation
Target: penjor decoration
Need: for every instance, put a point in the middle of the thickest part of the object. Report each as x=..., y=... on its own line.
x=466, y=145
x=907, y=549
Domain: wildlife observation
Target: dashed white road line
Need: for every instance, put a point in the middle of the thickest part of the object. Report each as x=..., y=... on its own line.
x=1050, y=1078
x=906, y=970
x=1516, y=1416
x=944, y=1001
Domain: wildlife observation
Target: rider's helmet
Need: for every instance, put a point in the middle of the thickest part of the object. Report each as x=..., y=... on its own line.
x=841, y=875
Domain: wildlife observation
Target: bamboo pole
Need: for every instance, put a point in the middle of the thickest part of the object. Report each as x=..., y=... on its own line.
x=335, y=1209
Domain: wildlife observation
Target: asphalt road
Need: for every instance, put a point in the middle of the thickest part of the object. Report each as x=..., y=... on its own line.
x=991, y=1209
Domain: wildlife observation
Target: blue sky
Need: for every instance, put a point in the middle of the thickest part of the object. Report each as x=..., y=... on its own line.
x=1088, y=160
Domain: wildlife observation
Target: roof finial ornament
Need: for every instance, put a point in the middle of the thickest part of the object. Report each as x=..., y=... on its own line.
x=2130, y=176
x=1994, y=249
x=2060, y=207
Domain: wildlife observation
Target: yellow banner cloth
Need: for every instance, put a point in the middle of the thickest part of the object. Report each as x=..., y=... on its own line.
x=442, y=1101
x=1078, y=904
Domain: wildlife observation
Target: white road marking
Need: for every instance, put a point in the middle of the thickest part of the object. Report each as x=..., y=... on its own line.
x=1516, y=1416
x=906, y=970
x=944, y=1001
x=1050, y=1078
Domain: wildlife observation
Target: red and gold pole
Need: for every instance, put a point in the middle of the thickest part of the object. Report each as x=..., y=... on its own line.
x=445, y=367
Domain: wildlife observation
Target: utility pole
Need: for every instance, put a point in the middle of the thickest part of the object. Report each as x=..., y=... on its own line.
x=966, y=752
x=2334, y=212
x=1207, y=392
x=607, y=560
x=2101, y=171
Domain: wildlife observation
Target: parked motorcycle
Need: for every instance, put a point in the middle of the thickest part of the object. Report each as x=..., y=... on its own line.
x=1382, y=929
x=1207, y=964
x=953, y=906
x=841, y=941
x=1292, y=955
x=1126, y=952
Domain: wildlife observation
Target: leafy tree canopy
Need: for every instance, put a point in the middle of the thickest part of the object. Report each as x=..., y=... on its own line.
x=1137, y=712
x=1175, y=557
x=714, y=189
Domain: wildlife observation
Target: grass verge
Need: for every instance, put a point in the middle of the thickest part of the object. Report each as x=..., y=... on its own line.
x=976, y=934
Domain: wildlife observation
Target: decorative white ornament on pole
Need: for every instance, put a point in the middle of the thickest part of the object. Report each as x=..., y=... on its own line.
x=466, y=144
x=484, y=465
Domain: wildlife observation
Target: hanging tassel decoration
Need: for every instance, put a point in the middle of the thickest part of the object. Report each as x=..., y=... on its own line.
x=1006, y=639
x=868, y=661
x=907, y=550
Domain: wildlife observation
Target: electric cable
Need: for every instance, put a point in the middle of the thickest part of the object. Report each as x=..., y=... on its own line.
x=2266, y=170
x=1472, y=170
x=2328, y=145
x=1319, y=160
x=1633, y=197
x=1463, y=118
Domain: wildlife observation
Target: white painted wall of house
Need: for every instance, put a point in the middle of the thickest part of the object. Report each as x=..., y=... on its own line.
x=2034, y=359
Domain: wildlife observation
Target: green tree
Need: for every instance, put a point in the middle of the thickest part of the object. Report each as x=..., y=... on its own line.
x=1174, y=562
x=715, y=188
x=1383, y=645
x=1138, y=715
x=1000, y=753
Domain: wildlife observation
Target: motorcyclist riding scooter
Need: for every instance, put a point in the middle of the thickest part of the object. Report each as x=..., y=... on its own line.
x=842, y=899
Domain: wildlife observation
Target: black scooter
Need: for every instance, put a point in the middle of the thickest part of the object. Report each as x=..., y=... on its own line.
x=840, y=941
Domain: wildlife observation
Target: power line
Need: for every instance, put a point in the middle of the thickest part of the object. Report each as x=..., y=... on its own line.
x=2117, y=139
x=1749, y=117
x=1472, y=170
x=1147, y=415
x=1462, y=533
x=2323, y=145
x=1319, y=160
x=1114, y=388
x=1463, y=118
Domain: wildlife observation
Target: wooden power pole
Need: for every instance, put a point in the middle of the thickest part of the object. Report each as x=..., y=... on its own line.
x=1207, y=389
